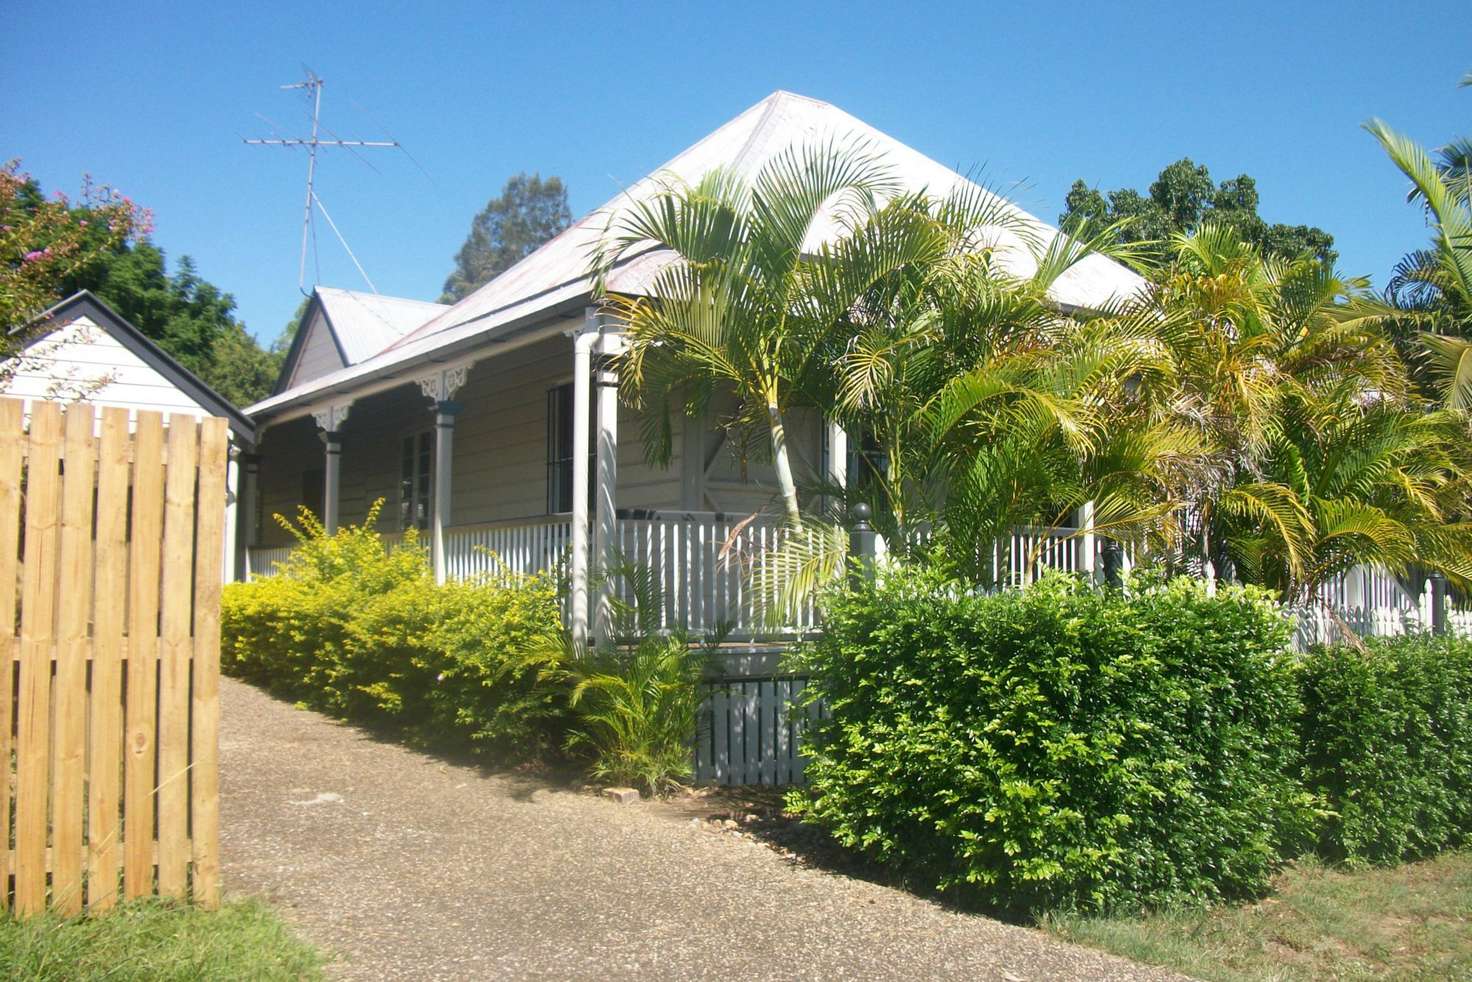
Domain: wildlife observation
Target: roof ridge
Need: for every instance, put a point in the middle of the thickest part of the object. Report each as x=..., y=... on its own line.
x=767, y=105
x=555, y=274
x=750, y=146
x=392, y=298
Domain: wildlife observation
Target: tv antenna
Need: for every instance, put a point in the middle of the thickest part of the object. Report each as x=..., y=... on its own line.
x=312, y=86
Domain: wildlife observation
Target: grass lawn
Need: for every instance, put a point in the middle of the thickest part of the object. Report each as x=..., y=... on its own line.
x=1406, y=922
x=155, y=940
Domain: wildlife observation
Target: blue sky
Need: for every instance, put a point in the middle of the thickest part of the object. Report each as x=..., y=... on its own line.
x=154, y=99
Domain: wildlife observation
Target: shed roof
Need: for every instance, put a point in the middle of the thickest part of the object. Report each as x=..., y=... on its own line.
x=85, y=304
x=556, y=276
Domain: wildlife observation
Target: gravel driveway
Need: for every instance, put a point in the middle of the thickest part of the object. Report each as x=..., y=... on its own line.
x=407, y=867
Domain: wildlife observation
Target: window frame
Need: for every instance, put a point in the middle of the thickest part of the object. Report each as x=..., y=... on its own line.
x=416, y=480
x=559, y=458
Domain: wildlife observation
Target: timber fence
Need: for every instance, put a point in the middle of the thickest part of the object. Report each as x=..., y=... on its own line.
x=111, y=552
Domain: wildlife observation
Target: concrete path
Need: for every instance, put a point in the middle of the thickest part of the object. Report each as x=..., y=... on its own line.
x=407, y=867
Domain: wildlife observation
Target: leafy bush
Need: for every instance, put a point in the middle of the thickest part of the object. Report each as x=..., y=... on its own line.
x=636, y=710
x=1387, y=736
x=1057, y=747
x=361, y=631
x=634, y=702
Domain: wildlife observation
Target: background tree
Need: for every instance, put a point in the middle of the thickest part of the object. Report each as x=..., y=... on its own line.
x=282, y=344
x=1182, y=198
x=528, y=212
x=187, y=315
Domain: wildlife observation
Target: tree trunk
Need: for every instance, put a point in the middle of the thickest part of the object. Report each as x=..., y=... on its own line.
x=783, y=464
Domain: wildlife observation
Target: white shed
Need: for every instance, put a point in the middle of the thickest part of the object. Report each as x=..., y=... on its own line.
x=82, y=349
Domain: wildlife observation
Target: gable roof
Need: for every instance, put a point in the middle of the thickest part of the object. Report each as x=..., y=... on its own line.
x=363, y=324
x=360, y=324
x=556, y=276
x=87, y=304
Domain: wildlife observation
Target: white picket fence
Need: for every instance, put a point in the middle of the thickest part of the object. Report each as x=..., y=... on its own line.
x=702, y=563
x=1369, y=602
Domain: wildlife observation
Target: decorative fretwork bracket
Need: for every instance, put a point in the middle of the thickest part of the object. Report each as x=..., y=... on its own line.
x=442, y=384
x=331, y=417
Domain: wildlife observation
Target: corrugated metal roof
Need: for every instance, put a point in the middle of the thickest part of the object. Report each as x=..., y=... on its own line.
x=366, y=323
x=557, y=273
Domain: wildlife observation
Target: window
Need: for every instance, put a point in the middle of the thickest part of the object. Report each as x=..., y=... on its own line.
x=415, y=479
x=314, y=490
x=559, y=448
x=866, y=460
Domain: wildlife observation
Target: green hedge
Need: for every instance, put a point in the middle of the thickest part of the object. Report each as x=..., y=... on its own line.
x=1058, y=747
x=1387, y=735
x=362, y=632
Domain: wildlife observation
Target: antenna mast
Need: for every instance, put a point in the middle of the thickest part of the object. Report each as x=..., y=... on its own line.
x=312, y=85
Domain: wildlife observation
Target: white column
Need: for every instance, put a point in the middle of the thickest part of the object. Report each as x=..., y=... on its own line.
x=692, y=463
x=1208, y=568
x=231, y=570
x=605, y=546
x=329, y=421
x=1354, y=587
x=837, y=458
x=250, y=483
x=1087, y=546
x=332, y=480
x=582, y=358
x=444, y=456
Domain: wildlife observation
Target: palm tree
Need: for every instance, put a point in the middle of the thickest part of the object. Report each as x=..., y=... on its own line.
x=1362, y=483
x=1248, y=335
x=1432, y=287
x=736, y=308
x=979, y=403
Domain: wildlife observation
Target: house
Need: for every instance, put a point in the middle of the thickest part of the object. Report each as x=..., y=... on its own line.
x=82, y=349
x=490, y=427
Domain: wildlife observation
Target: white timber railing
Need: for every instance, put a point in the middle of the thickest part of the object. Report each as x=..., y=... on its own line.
x=705, y=569
x=705, y=566
x=262, y=561
x=1021, y=557
x=1026, y=552
x=522, y=547
x=702, y=566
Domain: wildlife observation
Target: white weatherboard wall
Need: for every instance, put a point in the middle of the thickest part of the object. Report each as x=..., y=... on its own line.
x=81, y=359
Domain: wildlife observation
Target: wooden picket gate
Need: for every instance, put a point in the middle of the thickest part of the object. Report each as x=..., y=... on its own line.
x=111, y=712
x=750, y=730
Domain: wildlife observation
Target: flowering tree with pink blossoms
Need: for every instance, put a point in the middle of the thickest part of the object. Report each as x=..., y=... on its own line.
x=45, y=242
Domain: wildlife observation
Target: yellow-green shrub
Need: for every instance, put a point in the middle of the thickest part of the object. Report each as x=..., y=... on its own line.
x=350, y=627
